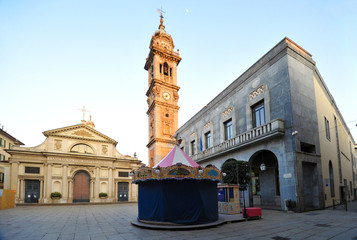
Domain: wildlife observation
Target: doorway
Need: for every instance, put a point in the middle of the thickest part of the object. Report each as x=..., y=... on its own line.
x=81, y=186
x=310, y=183
x=32, y=191
x=265, y=182
x=123, y=191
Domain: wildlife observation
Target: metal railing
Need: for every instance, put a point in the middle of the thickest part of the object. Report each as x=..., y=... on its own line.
x=250, y=135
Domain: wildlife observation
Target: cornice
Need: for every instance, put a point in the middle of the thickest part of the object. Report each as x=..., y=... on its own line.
x=58, y=130
x=80, y=138
x=162, y=140
x=169, y=55
x=46, y=154
x=159, y=82
x=163, y=104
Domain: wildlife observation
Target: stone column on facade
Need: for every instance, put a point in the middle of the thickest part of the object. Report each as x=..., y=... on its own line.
x=156, y=67
x=41, y=192
x=49, y=182
x=44, y=181
x=115, y=191
x=64, y=183
x=110, y=183
x=91, y=190
x=17, y=197
x=130, y=195
x=14, y=179
x=70, y=192
x=96, y=183
x=22, y=191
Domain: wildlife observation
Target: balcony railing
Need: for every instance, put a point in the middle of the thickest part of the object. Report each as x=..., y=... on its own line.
x=270, y=129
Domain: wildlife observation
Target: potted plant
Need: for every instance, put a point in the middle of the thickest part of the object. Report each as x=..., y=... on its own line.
x=56, y=195
x=103, y=195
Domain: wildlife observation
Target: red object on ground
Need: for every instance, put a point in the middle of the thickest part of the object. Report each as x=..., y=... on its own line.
x=253, y=212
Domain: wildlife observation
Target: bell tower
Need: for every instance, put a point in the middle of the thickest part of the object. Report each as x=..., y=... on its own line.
x=162, y=94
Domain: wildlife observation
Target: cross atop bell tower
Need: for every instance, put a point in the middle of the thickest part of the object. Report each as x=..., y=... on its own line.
x=162, y=93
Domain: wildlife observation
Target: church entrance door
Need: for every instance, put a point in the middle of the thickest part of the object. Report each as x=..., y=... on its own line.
x=32, y=191
x=81, y=183
x=123, y=190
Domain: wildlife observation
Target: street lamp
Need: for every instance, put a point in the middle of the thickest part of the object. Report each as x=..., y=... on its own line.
x=263, y=167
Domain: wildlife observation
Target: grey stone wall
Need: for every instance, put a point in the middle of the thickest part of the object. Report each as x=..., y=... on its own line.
x=287, y=79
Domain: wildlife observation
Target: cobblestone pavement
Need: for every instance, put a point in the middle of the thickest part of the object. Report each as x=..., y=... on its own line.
x=113, y=222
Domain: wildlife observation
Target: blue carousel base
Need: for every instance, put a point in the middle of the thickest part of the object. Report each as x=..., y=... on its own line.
x=172, y=226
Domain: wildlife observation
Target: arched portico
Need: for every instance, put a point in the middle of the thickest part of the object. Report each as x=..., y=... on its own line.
x=265, y=184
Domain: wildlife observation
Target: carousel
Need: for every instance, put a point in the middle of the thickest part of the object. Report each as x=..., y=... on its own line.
x=177, y=191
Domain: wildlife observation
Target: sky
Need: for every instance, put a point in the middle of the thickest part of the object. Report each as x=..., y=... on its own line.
x=58, y=56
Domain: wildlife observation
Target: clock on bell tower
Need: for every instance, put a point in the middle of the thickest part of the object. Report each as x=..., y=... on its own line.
x=161, y=65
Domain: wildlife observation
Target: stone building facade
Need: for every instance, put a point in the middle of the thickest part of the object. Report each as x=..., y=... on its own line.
x=7, y=141
x=77, y=161
x=279, y=116
x=162, y=94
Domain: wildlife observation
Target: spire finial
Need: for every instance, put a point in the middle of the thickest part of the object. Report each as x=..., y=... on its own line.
x=160, y=11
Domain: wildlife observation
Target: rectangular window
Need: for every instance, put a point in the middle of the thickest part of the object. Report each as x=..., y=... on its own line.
x=208, y=139
x=10, y=146
x=228, y=129
x=2, y=177
x=32, y=170
x=306, y=147
x=327, y=129
x=193, y=147
x=2, y=157
x=2, y=142
x=123, y=174
x=258, y=112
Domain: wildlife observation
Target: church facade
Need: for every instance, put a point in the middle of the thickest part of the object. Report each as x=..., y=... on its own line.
x=78, y=162
x=281, y=118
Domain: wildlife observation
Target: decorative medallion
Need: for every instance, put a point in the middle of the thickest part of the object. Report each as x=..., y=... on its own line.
x=156, y=90
x=82, y=133
x=105, y=149
x=58, y=144
x=176, y=96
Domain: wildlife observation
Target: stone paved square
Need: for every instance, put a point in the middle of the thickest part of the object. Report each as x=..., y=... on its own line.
x=113, y=221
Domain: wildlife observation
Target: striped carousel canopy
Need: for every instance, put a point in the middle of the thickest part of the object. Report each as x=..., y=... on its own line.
x=176, y=155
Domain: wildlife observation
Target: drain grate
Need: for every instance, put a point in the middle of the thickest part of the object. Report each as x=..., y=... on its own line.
x=280, y=238
x=322, y=225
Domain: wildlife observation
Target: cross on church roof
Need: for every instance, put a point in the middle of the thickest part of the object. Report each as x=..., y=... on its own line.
x=83, y=110
x=161, y=12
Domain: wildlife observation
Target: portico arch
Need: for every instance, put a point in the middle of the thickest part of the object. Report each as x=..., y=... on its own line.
x=265, y=184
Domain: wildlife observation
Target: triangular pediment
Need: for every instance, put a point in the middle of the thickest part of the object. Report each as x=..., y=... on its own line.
x=79, y=131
